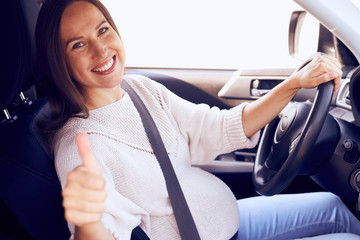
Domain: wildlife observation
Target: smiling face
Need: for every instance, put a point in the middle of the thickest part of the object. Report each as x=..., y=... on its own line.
x=94, y=53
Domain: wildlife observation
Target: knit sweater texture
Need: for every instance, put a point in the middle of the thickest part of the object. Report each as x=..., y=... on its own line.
x=193, y=134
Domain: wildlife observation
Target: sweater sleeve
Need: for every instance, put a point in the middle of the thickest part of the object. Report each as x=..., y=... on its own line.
x=121, y=215
x=209, y=131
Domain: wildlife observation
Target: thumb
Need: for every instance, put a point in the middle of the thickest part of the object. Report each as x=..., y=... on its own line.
x=87, y=157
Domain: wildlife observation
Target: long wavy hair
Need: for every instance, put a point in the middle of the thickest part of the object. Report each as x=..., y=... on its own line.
x=65, y=95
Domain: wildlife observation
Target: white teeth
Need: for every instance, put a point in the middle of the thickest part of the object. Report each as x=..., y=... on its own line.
x=106, y=67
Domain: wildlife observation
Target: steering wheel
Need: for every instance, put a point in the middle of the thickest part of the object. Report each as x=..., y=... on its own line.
x=287, y=142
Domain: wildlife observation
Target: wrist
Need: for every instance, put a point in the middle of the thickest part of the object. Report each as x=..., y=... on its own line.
x=94, y=230
x=289, y=86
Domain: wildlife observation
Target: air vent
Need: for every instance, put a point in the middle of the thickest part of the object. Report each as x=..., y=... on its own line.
x=343, y=97
x=347, y=98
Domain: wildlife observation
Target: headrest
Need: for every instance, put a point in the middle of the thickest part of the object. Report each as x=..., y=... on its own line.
x=18, y=20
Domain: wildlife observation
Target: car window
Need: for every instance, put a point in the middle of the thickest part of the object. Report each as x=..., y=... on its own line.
x=228, y=34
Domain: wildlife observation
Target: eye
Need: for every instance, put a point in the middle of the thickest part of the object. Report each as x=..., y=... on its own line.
x=78, y=45
x=103, y=30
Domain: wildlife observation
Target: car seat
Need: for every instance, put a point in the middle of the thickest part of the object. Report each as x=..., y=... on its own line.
x=30, y=192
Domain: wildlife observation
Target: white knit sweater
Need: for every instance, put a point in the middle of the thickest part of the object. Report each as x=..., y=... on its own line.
x=136, y=190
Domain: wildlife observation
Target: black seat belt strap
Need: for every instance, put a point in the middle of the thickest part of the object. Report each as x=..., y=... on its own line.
x=138, y=234
x=184, y=219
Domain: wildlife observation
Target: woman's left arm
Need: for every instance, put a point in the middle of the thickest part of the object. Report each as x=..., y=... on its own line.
x=260, y=112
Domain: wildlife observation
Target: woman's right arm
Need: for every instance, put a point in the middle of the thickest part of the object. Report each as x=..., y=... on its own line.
x=80, y=181
x=84, y=195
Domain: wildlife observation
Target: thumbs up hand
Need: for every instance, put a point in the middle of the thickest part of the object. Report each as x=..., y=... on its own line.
x=84, y=194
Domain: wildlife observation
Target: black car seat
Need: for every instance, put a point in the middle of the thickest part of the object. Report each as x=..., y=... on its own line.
x=30, y=192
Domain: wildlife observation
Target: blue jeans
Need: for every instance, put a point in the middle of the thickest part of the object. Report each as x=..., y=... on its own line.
x=294, y=216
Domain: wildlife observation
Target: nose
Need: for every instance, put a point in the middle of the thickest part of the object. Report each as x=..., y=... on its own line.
x=100, y=49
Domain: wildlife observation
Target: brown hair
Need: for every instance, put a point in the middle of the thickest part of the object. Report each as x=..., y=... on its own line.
x=64, y=94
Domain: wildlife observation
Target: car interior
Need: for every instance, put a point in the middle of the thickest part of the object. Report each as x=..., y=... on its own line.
x=30, y=192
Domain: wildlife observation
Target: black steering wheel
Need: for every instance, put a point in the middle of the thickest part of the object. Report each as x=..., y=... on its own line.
x=287, y=141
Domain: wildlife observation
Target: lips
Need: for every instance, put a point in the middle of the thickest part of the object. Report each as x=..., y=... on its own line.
x=105, y=68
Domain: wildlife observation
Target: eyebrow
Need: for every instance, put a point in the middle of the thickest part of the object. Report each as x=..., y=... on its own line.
x=72, y=39
x=80, y=37
x=102, y=22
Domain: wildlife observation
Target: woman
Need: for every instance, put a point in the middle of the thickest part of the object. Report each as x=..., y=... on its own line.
x=117, y=185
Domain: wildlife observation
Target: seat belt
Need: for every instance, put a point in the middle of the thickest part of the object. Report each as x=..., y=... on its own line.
x=184, y=219
x=138, y=234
